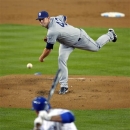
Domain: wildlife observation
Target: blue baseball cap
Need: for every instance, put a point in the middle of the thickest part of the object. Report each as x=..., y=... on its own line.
x=40, y=103
x=42, y=15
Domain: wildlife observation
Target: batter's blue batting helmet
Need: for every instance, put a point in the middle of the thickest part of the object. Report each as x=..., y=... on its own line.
x=42, y=15
x=39, y=103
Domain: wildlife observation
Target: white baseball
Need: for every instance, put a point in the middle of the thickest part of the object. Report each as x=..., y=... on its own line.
x=29, y=65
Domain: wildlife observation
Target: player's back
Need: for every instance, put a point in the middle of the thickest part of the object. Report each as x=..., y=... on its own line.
x=63, y=32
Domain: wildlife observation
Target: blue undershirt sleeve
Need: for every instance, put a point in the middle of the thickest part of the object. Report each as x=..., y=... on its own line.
x=49, y=46
x=67, y=117
x=65, y=18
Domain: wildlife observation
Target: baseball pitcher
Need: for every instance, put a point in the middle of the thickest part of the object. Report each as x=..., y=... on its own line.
x=69, y=38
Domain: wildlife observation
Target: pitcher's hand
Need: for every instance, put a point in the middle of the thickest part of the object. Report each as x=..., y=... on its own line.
x=41, y=59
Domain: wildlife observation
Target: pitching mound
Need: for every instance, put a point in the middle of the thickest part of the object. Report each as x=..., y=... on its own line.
x=85, y=92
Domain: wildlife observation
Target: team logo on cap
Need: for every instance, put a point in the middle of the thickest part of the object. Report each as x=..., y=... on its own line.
x=39, y=14
x=36, y=102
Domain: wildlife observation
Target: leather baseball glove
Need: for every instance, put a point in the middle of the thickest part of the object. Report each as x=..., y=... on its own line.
x=45, y=39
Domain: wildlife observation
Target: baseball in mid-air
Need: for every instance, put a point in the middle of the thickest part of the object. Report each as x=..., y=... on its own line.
x=29, y=65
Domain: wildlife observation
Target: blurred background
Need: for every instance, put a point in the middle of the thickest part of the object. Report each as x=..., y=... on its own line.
x=82, y=13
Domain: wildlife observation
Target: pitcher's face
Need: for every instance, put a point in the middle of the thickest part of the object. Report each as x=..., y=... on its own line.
x=44, y=22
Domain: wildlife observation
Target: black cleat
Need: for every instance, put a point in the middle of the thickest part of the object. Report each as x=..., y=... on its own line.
x=114, y=34
x=63, y=90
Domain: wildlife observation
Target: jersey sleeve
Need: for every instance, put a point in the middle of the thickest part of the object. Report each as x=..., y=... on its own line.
x=67, y=117
x=52, y=37
x=62, y=18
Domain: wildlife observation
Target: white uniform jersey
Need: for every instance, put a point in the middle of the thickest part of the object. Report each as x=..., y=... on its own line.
x=62, y=32
x=50, y=125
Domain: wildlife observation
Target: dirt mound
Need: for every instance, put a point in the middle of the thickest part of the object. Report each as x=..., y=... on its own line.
x=84, y=92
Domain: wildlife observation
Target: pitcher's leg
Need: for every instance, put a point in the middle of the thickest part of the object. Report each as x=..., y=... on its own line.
x=110, y=36
x=64, y=52
x=91, y=45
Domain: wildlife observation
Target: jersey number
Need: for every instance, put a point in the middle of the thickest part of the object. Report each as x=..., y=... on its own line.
x=60, y=22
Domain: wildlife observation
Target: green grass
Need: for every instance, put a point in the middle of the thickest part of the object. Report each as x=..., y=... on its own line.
x=22, y=119
x=21, y=44
x=103, y=119
x=16, y=119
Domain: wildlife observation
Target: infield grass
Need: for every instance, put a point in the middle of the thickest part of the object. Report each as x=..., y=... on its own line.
x=21, y=44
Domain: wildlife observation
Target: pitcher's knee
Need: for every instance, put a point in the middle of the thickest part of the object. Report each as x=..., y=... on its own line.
x=62, y=58
x=95, y=50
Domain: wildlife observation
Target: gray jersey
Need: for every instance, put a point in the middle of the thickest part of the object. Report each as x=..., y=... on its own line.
x=62, y=32
x=70, y=38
